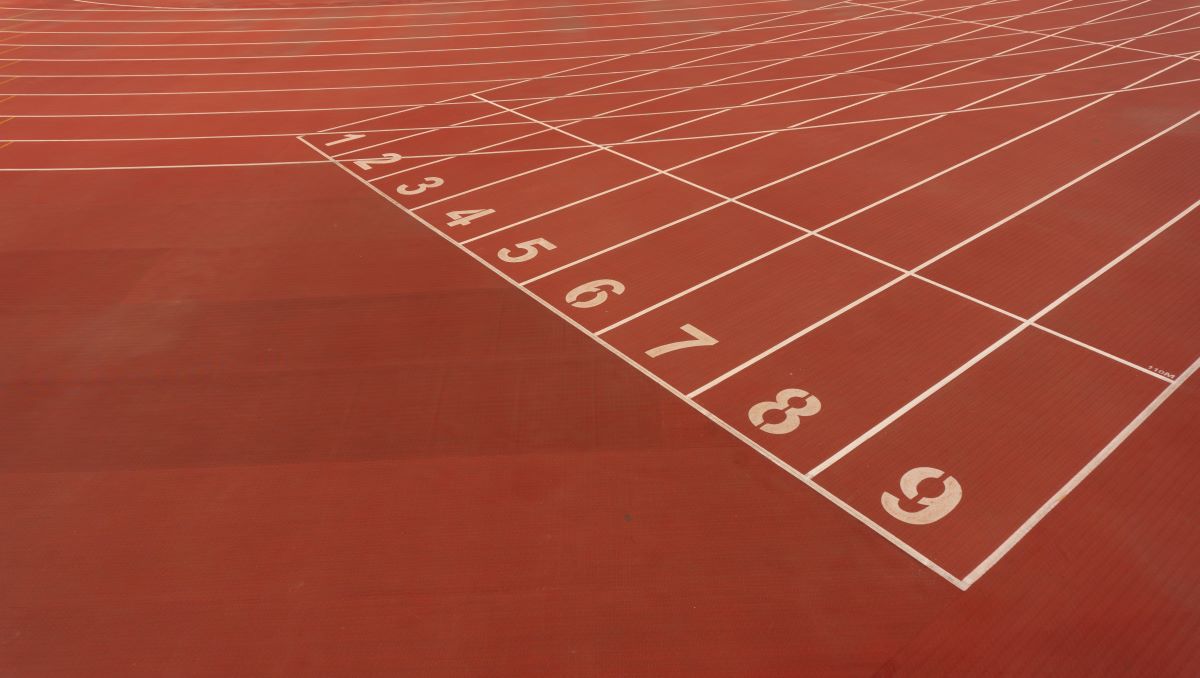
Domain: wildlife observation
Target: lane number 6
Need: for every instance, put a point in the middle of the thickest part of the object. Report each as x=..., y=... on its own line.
x=590, y=295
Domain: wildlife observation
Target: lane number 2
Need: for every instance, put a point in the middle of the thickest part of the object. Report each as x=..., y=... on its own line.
x=385, y=159
x=698, y=338
x=808, y=406
x=529, y=250
x=590, y=295
x=931, y=509
x=428, y=183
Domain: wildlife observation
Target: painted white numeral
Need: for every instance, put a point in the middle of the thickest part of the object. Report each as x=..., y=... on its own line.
x=385, y=159
x=698, y=338
x=596, y=293
x=430, y=182
x=464, y=217
x=791, y=414
x=932, y=509
x=344, y=139
x=529, y=250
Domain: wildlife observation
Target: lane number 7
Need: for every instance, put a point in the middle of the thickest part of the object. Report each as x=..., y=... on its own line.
x=698, y=338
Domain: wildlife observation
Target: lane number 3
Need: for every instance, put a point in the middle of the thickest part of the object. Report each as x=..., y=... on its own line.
x=428, y=183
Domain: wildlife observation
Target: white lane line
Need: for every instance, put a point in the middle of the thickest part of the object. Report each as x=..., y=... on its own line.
x=1006, y=28
x=447, y=65
x=441, y=65
x=655, y=169
x=896, y=194
x=929, y=262
x=504, y=46
x=648, y=50
x=651, y=99
x=1078, y=478
x=575, y=92
x=925, y=395
x=176, y=21
x=586, y=89
x=656, y=113
x=858, y=515
x=321, y=8
x=809, y=168
x=570, y=28
x=285, y=8
x=446, y=37
x=584, y=147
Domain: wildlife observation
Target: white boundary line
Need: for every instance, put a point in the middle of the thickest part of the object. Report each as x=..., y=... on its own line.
x=911, y=272
x=645, y=100
x=1078, y=478
x=878, y=529
x=455, y=49
x=807, y=232
x=951, y=85
x=584, y=147
x=312, y=8
x=887, y=421
x=176, y=21
x=876, y=203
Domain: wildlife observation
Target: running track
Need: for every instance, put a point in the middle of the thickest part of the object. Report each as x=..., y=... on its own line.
x=934, y=260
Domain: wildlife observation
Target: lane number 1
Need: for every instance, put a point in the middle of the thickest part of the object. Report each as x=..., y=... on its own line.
x=344, y=139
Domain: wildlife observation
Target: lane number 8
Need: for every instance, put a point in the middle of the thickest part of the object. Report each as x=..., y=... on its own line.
x=809, y=406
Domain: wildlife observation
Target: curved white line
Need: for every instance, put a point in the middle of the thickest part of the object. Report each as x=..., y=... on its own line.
x=91, y=21
x=723, y=135
x=716, y=85
x=159, y=8
x=403, y=104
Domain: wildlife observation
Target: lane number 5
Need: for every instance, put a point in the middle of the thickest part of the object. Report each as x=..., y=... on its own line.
x=529, y=250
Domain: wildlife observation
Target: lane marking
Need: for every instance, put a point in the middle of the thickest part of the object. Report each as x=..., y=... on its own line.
x=1094, y=463
x=816, y=487
x=904, y=190
x=925, y=395
x=908, y=272
x=587, y=147
x=644, y=101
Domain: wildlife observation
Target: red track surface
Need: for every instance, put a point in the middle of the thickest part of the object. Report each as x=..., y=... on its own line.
x=262, y=414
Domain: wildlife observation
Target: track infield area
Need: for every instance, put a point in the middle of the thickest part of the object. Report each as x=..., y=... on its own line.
x=615, y=338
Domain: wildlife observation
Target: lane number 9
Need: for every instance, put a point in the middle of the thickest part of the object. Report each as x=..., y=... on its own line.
x=931, y=509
